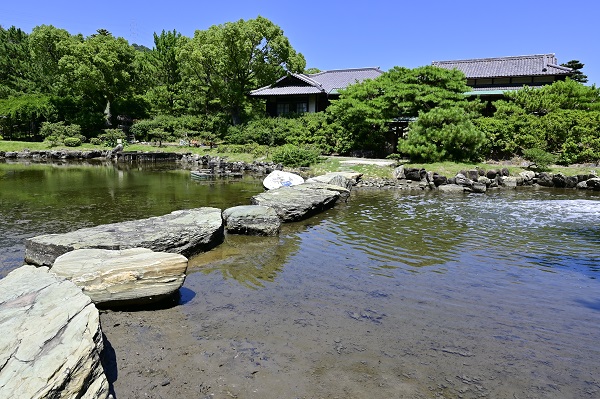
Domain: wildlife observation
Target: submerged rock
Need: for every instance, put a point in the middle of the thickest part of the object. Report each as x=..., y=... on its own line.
x=252, y=220
x=136, y=275
x=299, y=202
x=51, y=341
x=185, y=232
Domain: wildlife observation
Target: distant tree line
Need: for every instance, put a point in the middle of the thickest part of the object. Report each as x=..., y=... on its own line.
x=68, y=88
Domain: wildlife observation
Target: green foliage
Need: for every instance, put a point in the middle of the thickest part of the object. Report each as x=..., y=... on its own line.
x=443, y=134
x=256, y=150
x=364, y=111
x=21, y=116
x=96, y=141
x=295, y=156
x=57, y=133
x=562, y=118
x=577, y=75
x=540, y=159
x=226, y=61
x=111, y=137
x=72, y=141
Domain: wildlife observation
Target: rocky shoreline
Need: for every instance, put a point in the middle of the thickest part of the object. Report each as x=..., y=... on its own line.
x=473, y=180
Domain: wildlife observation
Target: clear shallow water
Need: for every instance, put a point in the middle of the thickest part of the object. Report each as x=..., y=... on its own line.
x=407, y=295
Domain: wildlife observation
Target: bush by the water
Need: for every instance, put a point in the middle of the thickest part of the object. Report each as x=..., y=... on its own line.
x=57, y=133
x=72, y=141
x=295, y=156
x=540, y=159
x=111, y=137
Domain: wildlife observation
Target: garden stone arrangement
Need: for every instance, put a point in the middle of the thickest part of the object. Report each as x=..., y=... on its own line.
x=48, y=304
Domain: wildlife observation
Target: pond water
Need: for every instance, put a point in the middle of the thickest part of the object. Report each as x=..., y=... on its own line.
x=390, y=294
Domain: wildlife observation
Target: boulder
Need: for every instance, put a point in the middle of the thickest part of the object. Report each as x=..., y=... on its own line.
x=462, y=180
x=252, y=220
x=415, y=174
x=439, y=180
x=186, y=232
x=478, y=187
x=451, y=188
x=593, y=184
x=398, y=173
x=510, y=181
x=491, y=174
x=135, y=275
x=299, y=202
x=279, y=178
x=545, y=179
x=336, y=179
x=527, y=176
x=51, y=341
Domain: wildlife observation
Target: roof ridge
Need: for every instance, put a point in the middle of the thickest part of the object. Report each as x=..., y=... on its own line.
x=344, y=70
x=306, y=78
x=511, y=57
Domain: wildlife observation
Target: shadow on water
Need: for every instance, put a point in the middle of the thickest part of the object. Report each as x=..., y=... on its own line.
x=594, y=305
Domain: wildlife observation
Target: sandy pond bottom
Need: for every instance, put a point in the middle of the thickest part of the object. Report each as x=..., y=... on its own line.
x=312, y=315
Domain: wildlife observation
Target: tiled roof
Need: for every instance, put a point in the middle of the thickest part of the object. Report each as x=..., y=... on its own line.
x=524, y=65
x=327, y=82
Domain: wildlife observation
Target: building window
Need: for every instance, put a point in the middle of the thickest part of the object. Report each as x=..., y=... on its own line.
x=283, y=109
x=301, y=108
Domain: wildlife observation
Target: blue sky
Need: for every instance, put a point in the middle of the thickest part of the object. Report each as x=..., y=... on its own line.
x=350, y=34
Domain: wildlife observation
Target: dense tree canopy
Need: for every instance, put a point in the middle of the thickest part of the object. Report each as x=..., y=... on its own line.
x=576, y=66
x=229, y=60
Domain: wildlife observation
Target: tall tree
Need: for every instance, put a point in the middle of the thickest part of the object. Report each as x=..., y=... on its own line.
x=164, y=72
x=47, y=45
x=15, y=65
x=576, y=66
x=231, y=59
x=99, y=70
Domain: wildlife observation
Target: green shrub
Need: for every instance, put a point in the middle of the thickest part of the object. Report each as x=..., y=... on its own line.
x=443, y=134
x=111, y=137
x=72, y=141
x=56, y=133
x=256, y=150
x=1, y=138
x=540, y=159
x=295, y=156
x=95, y=141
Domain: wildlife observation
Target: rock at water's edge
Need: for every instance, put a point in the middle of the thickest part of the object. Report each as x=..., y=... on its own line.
x=279, y=178
x=252, y=220
x=186, y=232
x=129, y=276
x=299, y=202
x=51, y=339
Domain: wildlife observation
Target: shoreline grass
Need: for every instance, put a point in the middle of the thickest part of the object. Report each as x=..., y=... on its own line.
x=326, y=164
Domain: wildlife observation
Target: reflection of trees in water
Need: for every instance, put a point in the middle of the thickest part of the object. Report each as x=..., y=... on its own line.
x=249, y=260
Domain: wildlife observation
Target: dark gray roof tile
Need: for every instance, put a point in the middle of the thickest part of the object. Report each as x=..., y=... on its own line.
x=524, y=65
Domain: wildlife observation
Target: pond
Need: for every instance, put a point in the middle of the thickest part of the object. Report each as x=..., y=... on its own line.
x=390, y=294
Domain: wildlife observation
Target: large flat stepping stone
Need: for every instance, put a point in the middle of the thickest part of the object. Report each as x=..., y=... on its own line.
x=301, y=201
x=344, y=180
x=186, y=232
x=51, y=339
x=128, y=276
x=252, y=220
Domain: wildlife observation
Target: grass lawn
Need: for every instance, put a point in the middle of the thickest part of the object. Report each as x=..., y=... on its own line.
x=327, y=164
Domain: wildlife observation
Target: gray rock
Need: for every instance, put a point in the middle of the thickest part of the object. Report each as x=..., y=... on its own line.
x=398, y=173
x=451, y=188
x=510, y=181
x=252, y=220
x=186, y=232
x=336, y=179
x=462, y=180
x=51, y=341
x=439, y=180
x=545, y=179
x=129, y=276
x=491, y=174
x=415, y=174
x=527, y=175
x=485, y=180
x=301, y=201
x=593, y=184
x=478, y=187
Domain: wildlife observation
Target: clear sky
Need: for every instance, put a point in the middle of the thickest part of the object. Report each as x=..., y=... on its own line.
x=350, y=34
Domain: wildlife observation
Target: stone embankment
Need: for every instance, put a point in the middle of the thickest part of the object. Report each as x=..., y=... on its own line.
x=479, y=180
x=213, y=165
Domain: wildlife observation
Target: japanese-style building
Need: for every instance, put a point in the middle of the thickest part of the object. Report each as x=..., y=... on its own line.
x=491, y=77
x=299, y=93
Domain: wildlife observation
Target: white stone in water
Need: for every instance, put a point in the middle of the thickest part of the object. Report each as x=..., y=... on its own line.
x=128, y=275
x=279, y=178
x=51, y=339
